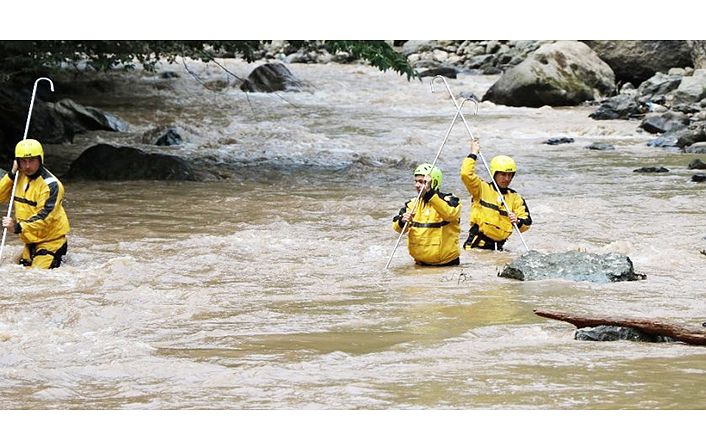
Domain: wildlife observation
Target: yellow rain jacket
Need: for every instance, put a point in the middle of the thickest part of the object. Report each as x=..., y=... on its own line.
x=490, y=223
x=433, y=233
x=41, y=221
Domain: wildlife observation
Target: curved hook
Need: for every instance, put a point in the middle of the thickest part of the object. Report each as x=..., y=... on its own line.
x=448, y=89
x=31, y=103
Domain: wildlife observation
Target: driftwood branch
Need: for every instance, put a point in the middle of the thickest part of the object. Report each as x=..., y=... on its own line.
x=684, y=334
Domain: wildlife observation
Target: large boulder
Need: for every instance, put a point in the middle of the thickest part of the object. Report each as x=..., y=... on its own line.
x=564, y=73
x=79, y=118
x=269, y=78
x=696, y=132
x=105, y=162
x=572, y=265
x=691, y=88
x=657, y=87
x=637, y=60
x=666, y=122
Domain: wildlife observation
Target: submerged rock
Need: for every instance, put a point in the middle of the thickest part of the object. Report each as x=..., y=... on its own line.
x=601, y=146
x=558, y=141
x=572, y=265
x=615, y=333
x=697, y=164
x=651, y=169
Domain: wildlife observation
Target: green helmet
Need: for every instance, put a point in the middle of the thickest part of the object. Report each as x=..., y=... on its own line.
x=432, y=171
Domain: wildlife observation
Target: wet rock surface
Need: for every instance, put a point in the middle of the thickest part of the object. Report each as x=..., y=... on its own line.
x=615, y=333
x=572, y=265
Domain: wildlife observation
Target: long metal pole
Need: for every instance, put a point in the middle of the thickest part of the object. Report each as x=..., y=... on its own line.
x=436, y=158
x=468, y=129
x=17, y=174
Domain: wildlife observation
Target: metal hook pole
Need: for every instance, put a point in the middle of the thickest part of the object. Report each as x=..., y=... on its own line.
x=468, y=129
x=17, y=174
x=419, y=196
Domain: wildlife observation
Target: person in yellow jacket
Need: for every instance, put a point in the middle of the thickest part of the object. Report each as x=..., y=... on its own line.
x=491, y=224
x=434, y=223
x=40, y=221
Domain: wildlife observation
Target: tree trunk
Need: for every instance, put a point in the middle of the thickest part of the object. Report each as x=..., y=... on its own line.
x=698, y=53
x=684, y=334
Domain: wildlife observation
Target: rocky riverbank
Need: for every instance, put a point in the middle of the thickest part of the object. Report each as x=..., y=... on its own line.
x=653, y=82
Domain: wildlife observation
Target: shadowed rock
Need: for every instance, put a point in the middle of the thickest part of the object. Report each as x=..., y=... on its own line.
x=637, y=60
x=697, y=164
x=622, y=106
x=572, y=265
x=105, y=162
x=666, y=122
x=46, y=125
x=81, y=118
x=445, y=71
x=658, y=86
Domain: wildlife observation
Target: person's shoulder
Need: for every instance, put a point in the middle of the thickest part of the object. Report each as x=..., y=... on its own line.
x=48, y=177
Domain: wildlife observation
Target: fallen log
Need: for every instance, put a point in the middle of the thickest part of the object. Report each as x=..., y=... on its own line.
x=695, y=336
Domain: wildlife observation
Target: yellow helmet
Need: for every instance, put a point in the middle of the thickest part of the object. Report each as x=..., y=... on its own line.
x=502, y=164
x=29, y=148
x=432, y=171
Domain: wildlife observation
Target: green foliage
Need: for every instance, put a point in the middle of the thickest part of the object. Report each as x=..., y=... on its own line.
x=379, y=53
x=30, y=57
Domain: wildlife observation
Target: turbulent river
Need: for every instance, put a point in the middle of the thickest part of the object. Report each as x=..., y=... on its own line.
x=266, y=289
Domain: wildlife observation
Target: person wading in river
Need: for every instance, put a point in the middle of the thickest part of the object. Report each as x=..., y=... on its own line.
x=41, y=221
x=433, y=224
x=491, y=224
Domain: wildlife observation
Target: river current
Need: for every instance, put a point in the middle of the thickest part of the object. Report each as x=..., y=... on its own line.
x=266, y=288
